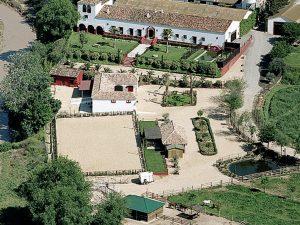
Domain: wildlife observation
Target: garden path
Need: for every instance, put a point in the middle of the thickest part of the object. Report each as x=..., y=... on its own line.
x=138, y=50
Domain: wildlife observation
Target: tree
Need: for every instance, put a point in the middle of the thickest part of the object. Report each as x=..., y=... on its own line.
x=58, y=194
x=280, y=49
x=112, y=211
x=291, y=31
x=56, y=20
x=83, y=38
x=272, y=6
x=166, y=80
x=200, y=113
x=167, y=34
x=114, y=31
x=192, y=83
x=26, y=94
x=281, y=139
x=267, y=133
x=277, y=66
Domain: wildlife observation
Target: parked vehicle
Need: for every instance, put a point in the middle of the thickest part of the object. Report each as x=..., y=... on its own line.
x=146, y=177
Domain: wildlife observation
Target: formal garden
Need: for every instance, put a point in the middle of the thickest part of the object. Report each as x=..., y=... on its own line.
x=175, y=98
x=86, y=47
x=243, y=204
x=155, y=161
x=204, y=135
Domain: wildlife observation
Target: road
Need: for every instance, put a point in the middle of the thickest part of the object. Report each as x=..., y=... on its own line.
x=17, y=35
x=260, y=47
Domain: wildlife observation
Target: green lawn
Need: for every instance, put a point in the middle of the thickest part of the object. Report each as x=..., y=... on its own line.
x=15, y=166
x=288, y=186
x=293, y=59
x=159, y=50
x=154, y=161
x=239, y=203
x=281, y=107
x=146, y=124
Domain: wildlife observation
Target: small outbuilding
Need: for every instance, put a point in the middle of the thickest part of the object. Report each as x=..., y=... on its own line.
x=143, y=208
x=174, y=139
x=153, y=137
x=67, y=76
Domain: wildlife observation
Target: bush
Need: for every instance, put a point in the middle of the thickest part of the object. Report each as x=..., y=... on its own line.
x=77, y=54
x=94, y=56
x=85, y=55
x=218, y=84
x=111, y=57
x=103, y=56
x=6, y=146
x=280, y=50
x=247, y=24
x=277, y=66
x=207, y=84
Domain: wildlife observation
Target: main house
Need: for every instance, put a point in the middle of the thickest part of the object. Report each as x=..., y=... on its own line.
x=114, y=92
x=198, y=24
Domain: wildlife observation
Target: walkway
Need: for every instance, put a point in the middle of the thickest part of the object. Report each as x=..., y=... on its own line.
x=139, y=50
x=17, y=36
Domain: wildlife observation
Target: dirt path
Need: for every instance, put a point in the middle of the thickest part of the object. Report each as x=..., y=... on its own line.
x=17, y=35
x=196, y=169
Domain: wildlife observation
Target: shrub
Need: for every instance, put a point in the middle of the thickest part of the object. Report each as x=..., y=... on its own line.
x=184, y=65
x=85, y=56
x=218, y=84
x=6, y=146
x=280, y=50
x=277, y=66
x=174, y=65
x=94, y=55
x=77, y=54
x=103, y=56
x=111, y=57
x=207, y=84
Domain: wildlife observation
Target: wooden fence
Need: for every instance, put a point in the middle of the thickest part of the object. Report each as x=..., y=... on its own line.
x=175, y=220
x=113, y=172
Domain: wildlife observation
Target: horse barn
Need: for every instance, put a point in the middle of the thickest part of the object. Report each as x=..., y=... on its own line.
x=196, y=24
x=67, y=76
x=143, y=208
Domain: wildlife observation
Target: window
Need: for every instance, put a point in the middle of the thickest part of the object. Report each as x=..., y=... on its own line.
x=121, y=30
x=130, y=31
x=84, y=8
x=139, y=32
x=203, y=39
x=129, y=88
x=194, y=40
x=184, y=37
x=217, y=38
x=176, y=36
x=128, y=101
x=88, y=9
x=118, y=88
x=113, y=101
x=85, y=17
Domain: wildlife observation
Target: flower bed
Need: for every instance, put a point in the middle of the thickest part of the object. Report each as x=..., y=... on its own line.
x=204, y=136
x=176, y=98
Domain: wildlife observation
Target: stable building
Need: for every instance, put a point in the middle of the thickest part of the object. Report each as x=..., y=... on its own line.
x=114, y=92
x=67, y=76
x=288, y=14
x=143, y=208
x=174, y=139
x=197, y=24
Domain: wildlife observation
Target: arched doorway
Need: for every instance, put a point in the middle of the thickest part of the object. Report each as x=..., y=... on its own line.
x=150, y=32
x=99, y=30
x=82, y=27
x=91, y=29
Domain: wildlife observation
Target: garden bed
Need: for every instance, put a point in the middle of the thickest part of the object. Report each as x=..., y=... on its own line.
x=155, y=162
x=204, y=136
x=176, y=98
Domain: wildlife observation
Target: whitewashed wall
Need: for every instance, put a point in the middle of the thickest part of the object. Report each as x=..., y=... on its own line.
x=108, y=106
x=271, y=23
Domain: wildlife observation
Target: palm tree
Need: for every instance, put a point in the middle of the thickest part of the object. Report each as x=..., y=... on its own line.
x=192, y=78
x=167, y=34
x=114, y=31
x=166, y=80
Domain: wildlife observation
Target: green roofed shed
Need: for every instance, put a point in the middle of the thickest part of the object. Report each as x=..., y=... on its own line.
x=143, y=208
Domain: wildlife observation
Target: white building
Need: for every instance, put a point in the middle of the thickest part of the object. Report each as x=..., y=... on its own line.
x=191, y=23
x=114, y=92
x=290, y=13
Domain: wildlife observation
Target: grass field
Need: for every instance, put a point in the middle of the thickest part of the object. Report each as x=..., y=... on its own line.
x=177, y=99
x=287, y=186
x=154, y=161
x=146, y=124
x=15, y=167
x=240, y=203
x=293, y=59
x=282, y=105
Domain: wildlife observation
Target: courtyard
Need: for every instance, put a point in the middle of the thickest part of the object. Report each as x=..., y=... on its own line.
x=99, y=143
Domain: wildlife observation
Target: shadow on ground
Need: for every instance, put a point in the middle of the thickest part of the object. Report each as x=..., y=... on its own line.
x=16, y=216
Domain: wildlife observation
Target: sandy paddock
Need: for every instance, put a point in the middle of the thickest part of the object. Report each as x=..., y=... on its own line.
x=99, y=143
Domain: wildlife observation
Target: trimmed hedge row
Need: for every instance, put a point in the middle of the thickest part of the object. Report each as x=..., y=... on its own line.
x=95, y=56
x=208, y=69
x=247, y=24
x=203, y=148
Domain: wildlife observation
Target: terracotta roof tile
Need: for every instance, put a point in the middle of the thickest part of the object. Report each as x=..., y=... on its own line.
x=164, y=18
x=65, y=71
x=172, y=134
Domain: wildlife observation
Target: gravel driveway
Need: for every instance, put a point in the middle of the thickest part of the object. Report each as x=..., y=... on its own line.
x=260, y=47
x=17, y=35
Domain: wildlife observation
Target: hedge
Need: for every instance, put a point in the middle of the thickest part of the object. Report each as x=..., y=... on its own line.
x=208, y=69
x=247, y=24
